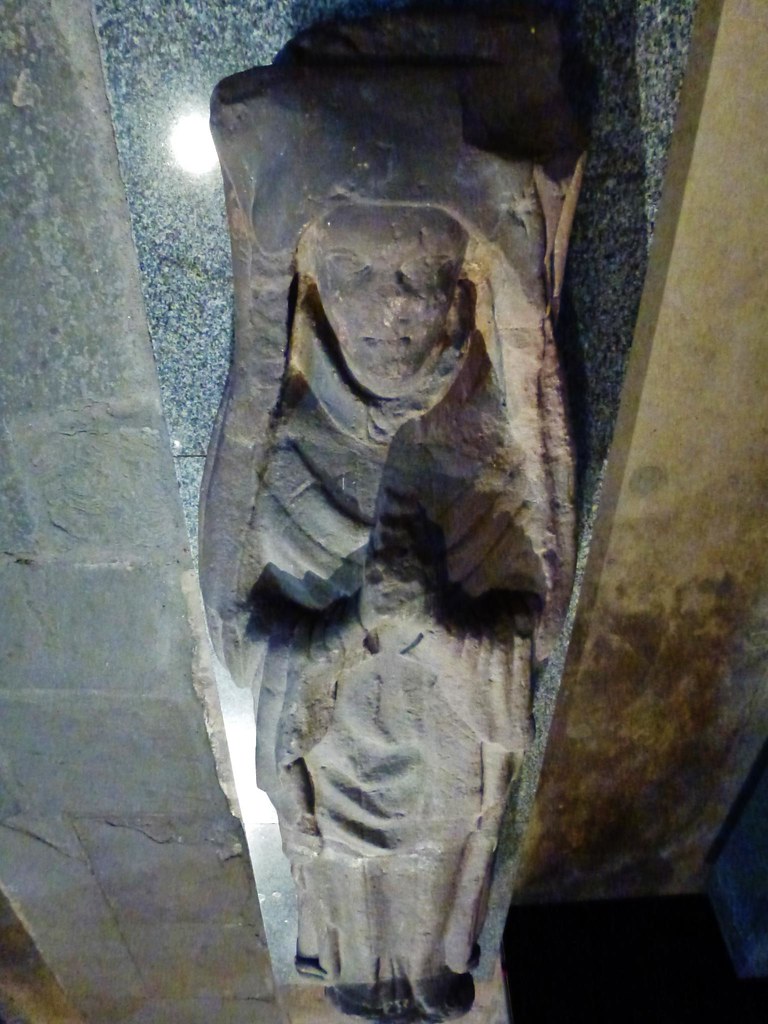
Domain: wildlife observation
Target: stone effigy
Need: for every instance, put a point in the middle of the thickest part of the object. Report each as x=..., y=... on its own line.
x=387, y=527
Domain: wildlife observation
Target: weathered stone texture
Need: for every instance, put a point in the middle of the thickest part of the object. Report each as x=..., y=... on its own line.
x=663, y=706
x=29, y=993
x=61, y=192
x=202, y=1011
x=65, y=757
x=42, y=867
x=171, y=869
x=193, y=961
x=53, y=643
x=389, y=502
x=95, y=483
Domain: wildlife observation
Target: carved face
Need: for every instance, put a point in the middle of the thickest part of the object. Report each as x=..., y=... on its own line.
x=387, y=278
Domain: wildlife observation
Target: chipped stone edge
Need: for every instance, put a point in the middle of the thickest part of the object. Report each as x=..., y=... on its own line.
x=206, y=690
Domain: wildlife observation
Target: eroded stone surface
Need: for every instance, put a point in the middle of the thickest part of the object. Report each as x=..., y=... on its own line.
x=388, y=528
x=28, y=989
x=663, y=707
x=112, y=816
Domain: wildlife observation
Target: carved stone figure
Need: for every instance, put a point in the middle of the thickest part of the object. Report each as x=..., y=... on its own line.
x=387, y=541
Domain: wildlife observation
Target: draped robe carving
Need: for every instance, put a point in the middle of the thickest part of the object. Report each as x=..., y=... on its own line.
x=399, y=538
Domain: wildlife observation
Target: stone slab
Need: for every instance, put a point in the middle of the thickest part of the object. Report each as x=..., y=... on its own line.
x=663, y=705
x=96, y=754
x=203, y=1011
x=28, y=990
x=74, y=928
x=74, y=627
x=9, y=800
x=103, y=674
x=18, y=522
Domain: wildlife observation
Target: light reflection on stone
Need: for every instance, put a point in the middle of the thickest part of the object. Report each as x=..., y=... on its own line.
x=192, y=145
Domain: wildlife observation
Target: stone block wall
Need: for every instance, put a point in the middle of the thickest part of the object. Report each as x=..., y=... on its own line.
x=118, y=850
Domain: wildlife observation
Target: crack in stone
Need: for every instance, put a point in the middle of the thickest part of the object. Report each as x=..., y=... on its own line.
x=41, y=839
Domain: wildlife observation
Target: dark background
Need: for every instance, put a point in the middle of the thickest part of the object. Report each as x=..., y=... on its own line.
x=650, y=961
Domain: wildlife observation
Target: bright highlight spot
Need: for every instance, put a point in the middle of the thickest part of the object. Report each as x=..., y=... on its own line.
x=192, y=145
